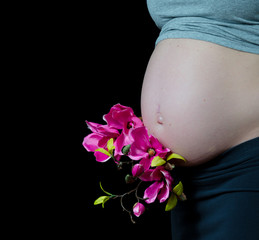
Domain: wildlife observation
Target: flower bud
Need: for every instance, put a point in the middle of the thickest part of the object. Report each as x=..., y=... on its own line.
x=182, y=197
x=138, y=209
x=169, y=166
x=129, y=178
x=120, y=165
x=125, y=149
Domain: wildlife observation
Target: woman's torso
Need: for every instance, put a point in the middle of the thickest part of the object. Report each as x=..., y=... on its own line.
x=200, y=98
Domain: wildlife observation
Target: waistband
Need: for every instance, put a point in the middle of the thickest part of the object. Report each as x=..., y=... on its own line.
x=235, y=170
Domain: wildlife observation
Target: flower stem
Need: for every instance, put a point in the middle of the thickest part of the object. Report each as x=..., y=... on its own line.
x=127, y=193
x=129, y=212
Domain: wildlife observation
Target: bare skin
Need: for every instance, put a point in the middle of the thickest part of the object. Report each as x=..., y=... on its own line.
x=199, y=99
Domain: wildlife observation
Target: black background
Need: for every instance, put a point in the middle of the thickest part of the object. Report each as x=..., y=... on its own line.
x=116, y=40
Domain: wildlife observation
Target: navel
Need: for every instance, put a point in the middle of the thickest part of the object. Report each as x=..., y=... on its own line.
x=160, y=119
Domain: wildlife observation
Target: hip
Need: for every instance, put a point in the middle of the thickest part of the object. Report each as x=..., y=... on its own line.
x=222, y=196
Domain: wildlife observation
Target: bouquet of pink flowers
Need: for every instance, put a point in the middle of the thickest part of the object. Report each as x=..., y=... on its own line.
x=124, y=134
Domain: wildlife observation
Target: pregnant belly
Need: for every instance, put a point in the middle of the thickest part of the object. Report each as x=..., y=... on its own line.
x=199, y=99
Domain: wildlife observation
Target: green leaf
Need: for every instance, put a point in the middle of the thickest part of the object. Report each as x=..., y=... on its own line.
x=110, y=146
x=102, y=150
x=104, y=190
x=171, y=203
x=175, y=155
x=101, y=200
x=178, y=189
x=157, y=161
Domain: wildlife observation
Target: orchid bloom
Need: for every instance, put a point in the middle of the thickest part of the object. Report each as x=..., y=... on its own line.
x=122, y=118
x=117, y=115
x=145, y=147
x=161, y=187
x=99, y=139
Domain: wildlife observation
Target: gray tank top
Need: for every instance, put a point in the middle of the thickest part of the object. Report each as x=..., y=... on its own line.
x=230, y=23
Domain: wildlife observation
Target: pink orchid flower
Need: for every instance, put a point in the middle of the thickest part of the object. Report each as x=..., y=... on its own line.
x=138, y=209
x=118, y=115
x=98, y=139
x=161, y=187
x=145, y=147
x=122, y=118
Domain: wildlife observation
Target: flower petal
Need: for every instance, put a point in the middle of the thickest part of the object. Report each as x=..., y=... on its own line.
x=103, y=129
x=151, y=175
x=136, y=153
x=155, y=143
x=120, y=142
x=164, y=193
x=168, y=177
x=141, y=138
x=147, y=176
x=146, y=162
x=137, y=170
x=91, y=141
x=152, y=191
x=160, y=150
x=101, y=157
x=140, y=145
x=92, y=126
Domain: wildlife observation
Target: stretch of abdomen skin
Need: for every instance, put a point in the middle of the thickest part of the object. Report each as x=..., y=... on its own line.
x=199, y=98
